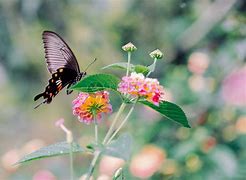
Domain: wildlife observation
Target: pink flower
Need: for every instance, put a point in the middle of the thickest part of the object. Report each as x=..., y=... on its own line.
x=198, y=63
x=44, y=175
x=138, y=86
x=147, y=162
x=109, y=165
x=234, y=88
x=86, y=106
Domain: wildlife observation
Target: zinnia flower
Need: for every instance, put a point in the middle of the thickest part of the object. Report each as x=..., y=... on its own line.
x=138, y=86
x=86, y=106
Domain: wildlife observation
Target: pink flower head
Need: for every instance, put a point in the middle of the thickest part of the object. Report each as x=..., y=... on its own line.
x=86, y=106
x=234, y=87
x=138, y=86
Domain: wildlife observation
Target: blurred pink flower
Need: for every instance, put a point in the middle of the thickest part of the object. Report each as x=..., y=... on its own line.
x=147, y=162
x=198, y=62
x=86, y=105
x=9, y=158
x=32, y=146
x=234, y=88
x=138, y=86
x=108, y=165
x=44, y=175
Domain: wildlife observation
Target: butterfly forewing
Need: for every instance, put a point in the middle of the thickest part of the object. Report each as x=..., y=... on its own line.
x=57, y=53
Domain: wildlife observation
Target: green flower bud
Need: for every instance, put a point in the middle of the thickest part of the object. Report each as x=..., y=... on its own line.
x=156, y=54
x=129, y=47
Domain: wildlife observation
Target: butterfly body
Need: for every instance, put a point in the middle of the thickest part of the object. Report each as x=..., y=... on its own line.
x=61, y=63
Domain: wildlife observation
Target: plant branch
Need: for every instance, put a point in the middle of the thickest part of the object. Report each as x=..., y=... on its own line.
x=122, y=124
x=92, y=165
x=121, y=109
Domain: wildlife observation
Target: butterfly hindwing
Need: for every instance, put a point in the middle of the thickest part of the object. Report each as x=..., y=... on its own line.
x=61, y=78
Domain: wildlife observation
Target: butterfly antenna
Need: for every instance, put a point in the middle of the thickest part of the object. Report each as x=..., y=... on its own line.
x=90, y=64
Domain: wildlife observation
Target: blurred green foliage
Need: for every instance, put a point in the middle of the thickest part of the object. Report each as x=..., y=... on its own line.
x=214, y=148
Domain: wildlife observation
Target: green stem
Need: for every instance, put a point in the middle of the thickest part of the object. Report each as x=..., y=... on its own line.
x=96, y=130
x=154, y=64
x=128, y=63
x=121, y=109
x=71, y=159
x=122, y=124
x=92, y=165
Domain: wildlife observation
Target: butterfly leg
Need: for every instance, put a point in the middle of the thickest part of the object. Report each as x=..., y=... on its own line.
x=68, y=90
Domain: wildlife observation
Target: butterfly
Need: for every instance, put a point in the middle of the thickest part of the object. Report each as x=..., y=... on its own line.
x=61, y=63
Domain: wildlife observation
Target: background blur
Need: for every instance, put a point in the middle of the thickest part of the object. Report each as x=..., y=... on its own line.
x=203, y=71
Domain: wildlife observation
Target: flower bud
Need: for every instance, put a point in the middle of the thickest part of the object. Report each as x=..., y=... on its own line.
x=156, y=54
x=129, y=47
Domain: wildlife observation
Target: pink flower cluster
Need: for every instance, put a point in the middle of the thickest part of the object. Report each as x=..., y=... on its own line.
x=138, y=86
x=89, y=106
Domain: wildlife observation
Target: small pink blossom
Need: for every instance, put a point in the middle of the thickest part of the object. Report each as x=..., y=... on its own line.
x=138, y=86
x=86, y=106
x=234, y=87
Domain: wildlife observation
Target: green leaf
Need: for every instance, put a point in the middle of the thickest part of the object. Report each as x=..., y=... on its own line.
x=58, y=149
x=120, y=65
x=141, y=69
x=120, y=147
x=170, y=111
x=97, y=82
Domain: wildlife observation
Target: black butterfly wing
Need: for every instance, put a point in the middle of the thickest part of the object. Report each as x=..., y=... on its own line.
x=57, y=53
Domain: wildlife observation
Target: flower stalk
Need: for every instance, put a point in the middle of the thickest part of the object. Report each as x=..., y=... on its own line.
x=121, y=124
x=128, y=62
x=121, y=109
x=129, y=48
x=153, y=67
x=92, y=165
x=96, y=132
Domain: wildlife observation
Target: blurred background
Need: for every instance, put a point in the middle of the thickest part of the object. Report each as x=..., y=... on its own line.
x=203, y=71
